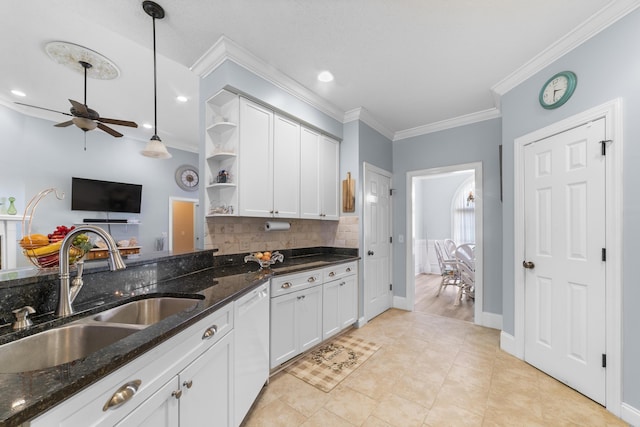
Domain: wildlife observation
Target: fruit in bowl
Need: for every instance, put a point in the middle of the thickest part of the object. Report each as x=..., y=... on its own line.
x=44, y=251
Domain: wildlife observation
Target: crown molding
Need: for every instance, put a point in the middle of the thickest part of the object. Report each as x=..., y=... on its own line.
x=365, y=116
x=600, y=20
x=467, y=119
x=226, y=49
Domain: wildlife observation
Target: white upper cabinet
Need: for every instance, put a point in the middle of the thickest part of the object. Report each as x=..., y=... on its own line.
x=286, y=170
x=319, y=161
x=256, y=167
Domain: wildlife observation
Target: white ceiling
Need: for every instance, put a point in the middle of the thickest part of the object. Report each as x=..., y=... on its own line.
x=406, y=64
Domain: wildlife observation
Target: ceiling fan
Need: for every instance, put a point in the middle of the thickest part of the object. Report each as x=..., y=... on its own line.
x=84, y=117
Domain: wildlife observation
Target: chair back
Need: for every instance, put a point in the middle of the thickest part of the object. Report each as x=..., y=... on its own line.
x=449, y=249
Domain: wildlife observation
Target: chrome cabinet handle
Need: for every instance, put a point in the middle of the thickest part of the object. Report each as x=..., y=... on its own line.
x=311, y=279
x=121, y=395
x=370, y=252
x=528, y=264
x=286, y=285
x=331, y=274
x=301, y=297
x=177, y=394
x=211, y=331
x=188, y=384
x=343, y=283
x=348, y=269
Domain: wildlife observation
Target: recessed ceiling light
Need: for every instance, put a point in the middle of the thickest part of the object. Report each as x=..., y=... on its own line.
x=17, y=92
x=147, y=125
x=182, y=98
x=325, y=76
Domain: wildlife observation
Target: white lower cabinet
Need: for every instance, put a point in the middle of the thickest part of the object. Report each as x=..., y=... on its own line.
x=339, y=305
x=199, y=395
x=296, y=323
x=187, y=380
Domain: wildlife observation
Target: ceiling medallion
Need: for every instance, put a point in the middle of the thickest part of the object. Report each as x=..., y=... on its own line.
x=71, y=55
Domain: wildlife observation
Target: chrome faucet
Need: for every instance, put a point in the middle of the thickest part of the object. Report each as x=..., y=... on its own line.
x=68, y=295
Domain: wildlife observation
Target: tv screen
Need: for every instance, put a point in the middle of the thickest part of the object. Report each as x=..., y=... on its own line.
x=105, y=196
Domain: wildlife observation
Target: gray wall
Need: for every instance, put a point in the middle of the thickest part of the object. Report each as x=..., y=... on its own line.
x=477, y=142
x=608, y=67
x=432, y=205
x=35, y=156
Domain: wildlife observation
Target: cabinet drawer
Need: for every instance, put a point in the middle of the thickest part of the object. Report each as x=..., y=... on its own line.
x=282, y=285
x=341, y=270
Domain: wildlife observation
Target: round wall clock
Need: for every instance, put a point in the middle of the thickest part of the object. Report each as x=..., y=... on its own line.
x=187, y=177
x=558, y=89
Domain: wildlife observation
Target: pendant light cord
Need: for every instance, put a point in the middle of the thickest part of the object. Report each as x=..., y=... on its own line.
x=155, y=86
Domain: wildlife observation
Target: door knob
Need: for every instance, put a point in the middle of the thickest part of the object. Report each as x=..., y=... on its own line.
x=528, y=264
x=370, y=253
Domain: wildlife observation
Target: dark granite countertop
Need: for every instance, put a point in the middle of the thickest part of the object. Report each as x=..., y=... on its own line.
x=29, y=394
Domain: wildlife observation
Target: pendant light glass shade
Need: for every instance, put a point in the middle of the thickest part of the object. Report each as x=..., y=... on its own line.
x=155, y=148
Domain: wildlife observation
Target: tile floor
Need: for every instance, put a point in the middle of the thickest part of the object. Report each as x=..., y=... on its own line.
x=430, y=371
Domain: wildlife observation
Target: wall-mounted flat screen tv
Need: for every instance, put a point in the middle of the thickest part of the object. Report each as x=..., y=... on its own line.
x=105, y=196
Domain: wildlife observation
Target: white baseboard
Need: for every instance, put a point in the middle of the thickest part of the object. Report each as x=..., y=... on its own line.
x=400, y=303
x=630, y=414
x=361, y=322
x=508, y=343
x=491, y=320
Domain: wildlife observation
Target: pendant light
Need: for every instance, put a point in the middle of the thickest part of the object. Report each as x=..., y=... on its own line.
x=155, y=148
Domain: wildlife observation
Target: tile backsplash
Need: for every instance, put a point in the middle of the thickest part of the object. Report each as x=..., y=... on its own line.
x=231, y=235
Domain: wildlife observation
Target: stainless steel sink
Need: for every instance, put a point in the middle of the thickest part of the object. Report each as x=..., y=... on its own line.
x=146, y=311
x=60, y=345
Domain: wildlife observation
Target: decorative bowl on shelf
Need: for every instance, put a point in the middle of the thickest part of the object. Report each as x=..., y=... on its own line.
x=265, y=259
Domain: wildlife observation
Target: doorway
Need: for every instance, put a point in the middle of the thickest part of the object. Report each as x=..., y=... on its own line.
x=612, y=144
x=415, y=251
x=182, y=224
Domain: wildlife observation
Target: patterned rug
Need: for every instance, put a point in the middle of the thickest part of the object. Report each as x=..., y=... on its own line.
x=330, y=363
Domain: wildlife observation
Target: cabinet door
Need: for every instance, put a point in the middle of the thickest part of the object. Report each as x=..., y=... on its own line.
x=284, y=344
x=207, y=387
x=255, y=186
x=347, y=301
x=331, y=324
x=309, y=174
x=329, y=178
x=286, y=169
x=159, y=410
x=309, y=317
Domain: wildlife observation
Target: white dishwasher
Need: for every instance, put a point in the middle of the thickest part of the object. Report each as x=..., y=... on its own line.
x=251, y=326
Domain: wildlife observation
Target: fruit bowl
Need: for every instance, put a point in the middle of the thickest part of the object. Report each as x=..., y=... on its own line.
x=43, y=251
x=265, y=259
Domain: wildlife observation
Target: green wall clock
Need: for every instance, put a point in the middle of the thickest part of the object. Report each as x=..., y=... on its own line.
x=558, y=89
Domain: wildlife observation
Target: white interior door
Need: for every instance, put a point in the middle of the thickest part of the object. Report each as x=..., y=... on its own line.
x=377, y=245
x=564, y=201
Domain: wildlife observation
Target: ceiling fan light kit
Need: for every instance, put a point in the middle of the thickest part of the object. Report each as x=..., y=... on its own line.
x=155, y=148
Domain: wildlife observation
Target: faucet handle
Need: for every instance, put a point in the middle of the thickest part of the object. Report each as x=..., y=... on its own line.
x=22, y=317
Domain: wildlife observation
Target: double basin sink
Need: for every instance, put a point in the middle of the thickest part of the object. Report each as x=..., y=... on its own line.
x=83, y=337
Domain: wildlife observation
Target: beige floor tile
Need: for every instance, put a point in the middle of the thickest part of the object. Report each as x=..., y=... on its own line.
x=447, y=414
x=350, y=405
x=375, y=422
x=400, y=412
x=324, y=418
x=301, y=396
x=431, y=371
x=275, y=414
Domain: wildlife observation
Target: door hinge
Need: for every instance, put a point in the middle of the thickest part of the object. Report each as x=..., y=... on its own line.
x=604, y=360
x=390, y=286
x=604, y=254
x=603, y=146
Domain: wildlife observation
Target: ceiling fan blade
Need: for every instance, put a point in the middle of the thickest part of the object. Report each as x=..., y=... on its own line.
x=80, y=108
x=42, y=108
x=64, y=124
x=118, y=122
x=110, y=131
